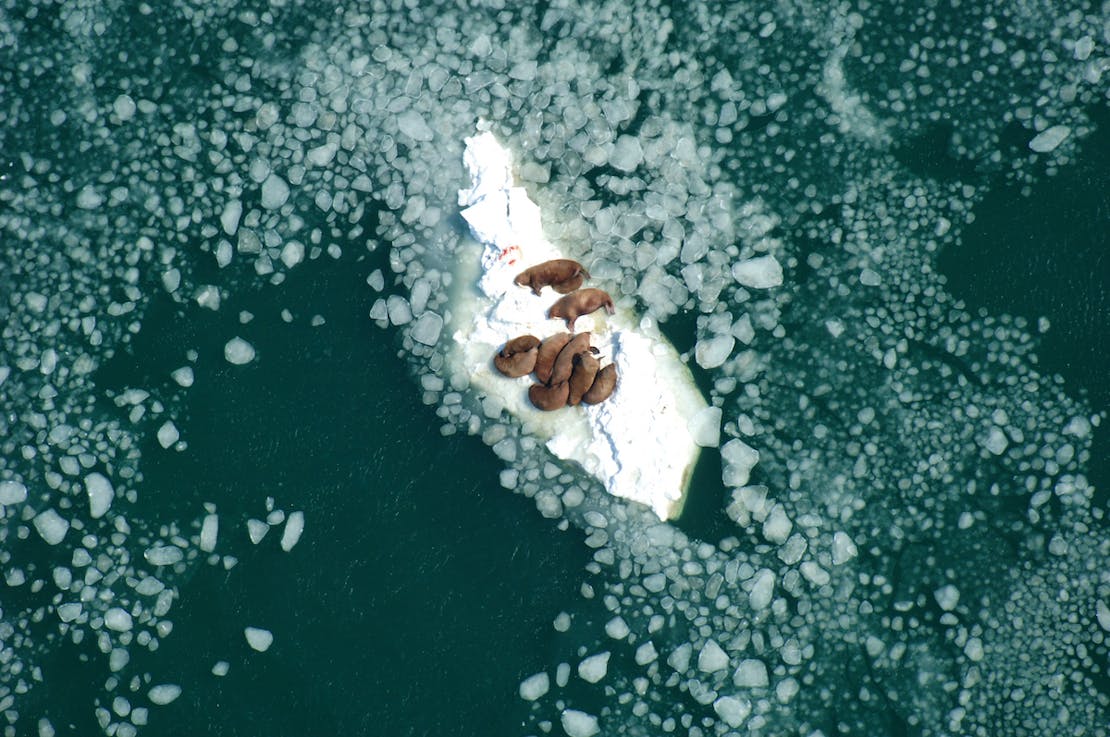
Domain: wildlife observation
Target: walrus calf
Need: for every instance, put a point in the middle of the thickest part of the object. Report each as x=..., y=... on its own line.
x=582, y=302
x=562, y=274
x=518, y=357
x=582, y=377
x=548, y=352
x=564, y=362
x=604, y=384
x=549, y=398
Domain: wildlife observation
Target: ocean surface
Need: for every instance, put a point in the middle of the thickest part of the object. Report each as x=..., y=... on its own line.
x=922, y=549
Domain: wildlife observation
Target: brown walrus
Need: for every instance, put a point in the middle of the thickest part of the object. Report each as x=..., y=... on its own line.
x=564, y=362
x=582, y=377
x=562, y=274
x=548, y=398
x=582, y=302
x=604, y=383
x=548, y=352
x=518, y=357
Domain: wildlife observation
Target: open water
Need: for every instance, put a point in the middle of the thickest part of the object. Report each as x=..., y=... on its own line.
x=921, y=550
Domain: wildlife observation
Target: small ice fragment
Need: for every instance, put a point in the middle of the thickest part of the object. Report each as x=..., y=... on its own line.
x=183, y=376
x=294, y=526
x=646, y=653
x=292, y=254
x=258, y=638
x=627, y=153
x=229, y=219
x=256, y=530
x=705, y=427
x=578, y=723
x=163, y=555
x=117, y=619
x=89, y=199
x=712, y=658
x=427, y=327
x=996, y=441
x=1102, y=614
x=209, y=530
x=100, y=492
x=617, y=628
x=124, y=108
x=761, y=272
x=751, y=673
x=69, y=611
x=274, y=192
x=51, y=527
x=777, y=526
x=12, y=492
x=221, y=668
x=163, y=694
x=762, y=590
x=412, y=124
x=713, y=352
x=238, y=351
x=534, y=686
x=947, y=597
x=1049, y=139
x=732, y=710
x=594, y=668
x=738, y=460
x=843, y=548
x=168, y=434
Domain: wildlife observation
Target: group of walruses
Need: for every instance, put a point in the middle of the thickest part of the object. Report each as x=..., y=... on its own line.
x=565, y=365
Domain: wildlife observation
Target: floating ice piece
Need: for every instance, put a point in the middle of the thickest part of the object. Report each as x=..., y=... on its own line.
x=738, y=459
x=761, y=272
x=221, y=668
x=594, y=668
x=100, y=492
x=641, y=442
x=294, y=526
x=259, y=639
x=1048, y=139
x=274, y=192
x=209, y=530
x=163, y=694
x=51, y=526
x=578, y=723
x=117, y=619
x=238, y=351
x=256, y=530
x=534, y=686
x=12, y=492
x=168, y=434
x=732, y=710
x=712, y=658
x=751, y=673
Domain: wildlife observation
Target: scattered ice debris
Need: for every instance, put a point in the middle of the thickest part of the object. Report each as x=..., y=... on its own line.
x=256, y=530
x=209, y=531
x=594, y=668
x=117, y=619
x=294, y=526
x=168, y=434
x=761, y=272
x=534, y=686
x=163, y=694
x=51, y=526
x=579, y=723
x=1048, y=139
x=12, y=492
x=183, y=376
x=238, y=351
x=221, y=668
x=259, y=639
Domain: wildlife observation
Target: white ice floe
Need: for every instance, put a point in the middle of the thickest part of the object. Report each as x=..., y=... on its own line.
x=294, y=526
x=238, y=351
x=163, y=694
x=259, y=639
x=642, y=442
x=100, y=493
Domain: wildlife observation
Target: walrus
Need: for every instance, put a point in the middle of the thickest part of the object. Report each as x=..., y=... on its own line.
x=582, y=376
x=604, y=383
x=562, y=274
x=582, y=302
x=564, y=362
x=548, y=398
x=548, y=352
x=518, y=357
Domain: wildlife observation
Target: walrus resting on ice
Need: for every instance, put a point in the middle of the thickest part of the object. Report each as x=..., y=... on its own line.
x=562, y=274
x=549, y=398
x=582, y=302
x=604, y=383
x=548, y=352
x=518, y=357
x=564, y=362
x=582, y=377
